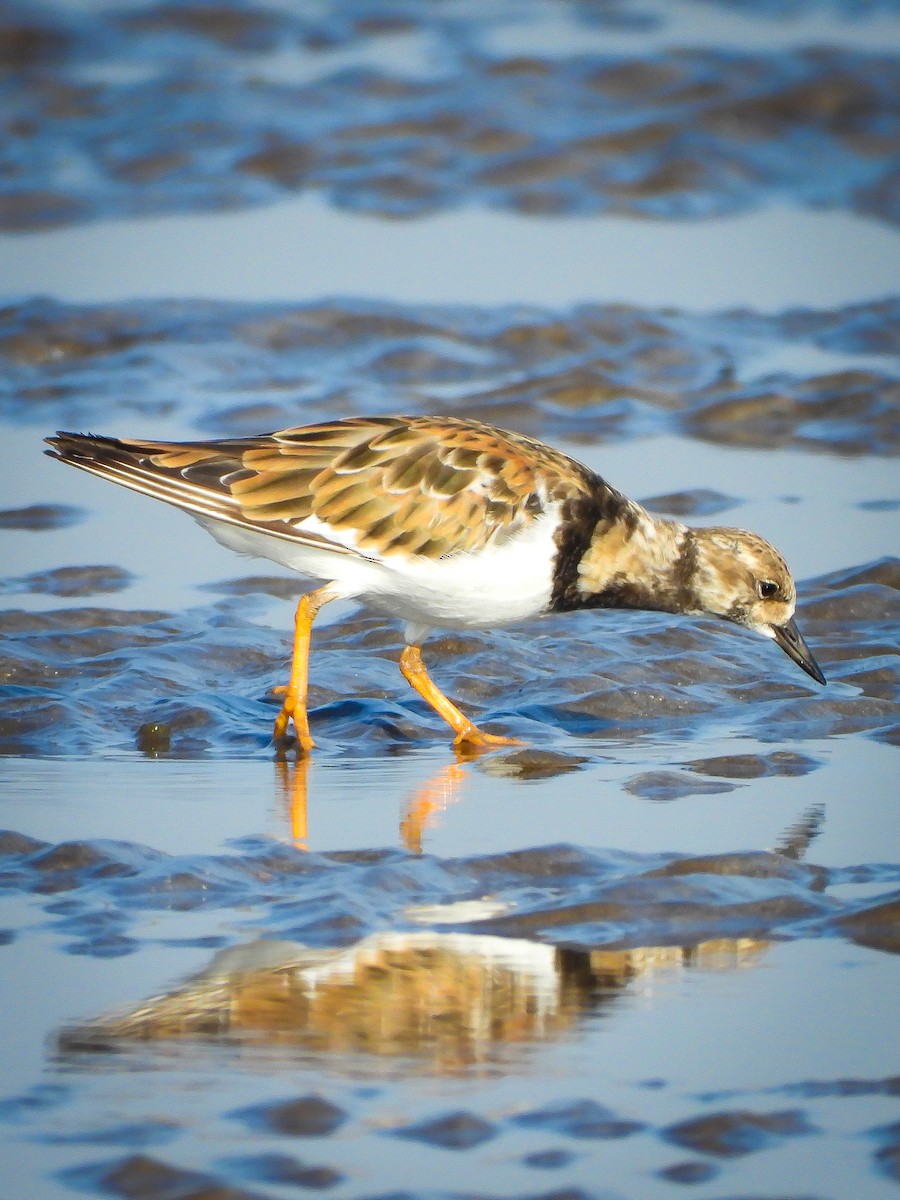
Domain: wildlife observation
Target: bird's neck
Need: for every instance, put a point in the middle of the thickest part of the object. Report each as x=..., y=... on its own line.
x=633, y=559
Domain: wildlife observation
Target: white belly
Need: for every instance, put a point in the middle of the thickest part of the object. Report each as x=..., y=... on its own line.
x=495, y=586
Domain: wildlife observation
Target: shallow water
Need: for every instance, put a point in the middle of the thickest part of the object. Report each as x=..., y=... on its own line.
x=770, y=259
x=656, y=947
x=403, y=112
x=602, y=956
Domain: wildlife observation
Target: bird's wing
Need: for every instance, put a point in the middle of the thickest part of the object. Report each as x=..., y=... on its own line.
x=430, y=486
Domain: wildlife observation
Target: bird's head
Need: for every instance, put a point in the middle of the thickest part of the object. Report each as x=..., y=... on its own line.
x=742, y=578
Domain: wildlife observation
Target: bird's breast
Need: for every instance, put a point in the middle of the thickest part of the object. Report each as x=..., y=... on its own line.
x=506, y=581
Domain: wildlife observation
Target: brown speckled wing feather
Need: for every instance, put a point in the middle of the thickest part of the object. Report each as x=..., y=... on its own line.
x=423, y=485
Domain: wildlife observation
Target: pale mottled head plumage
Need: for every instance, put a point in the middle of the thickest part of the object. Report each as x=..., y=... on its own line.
x=742, y=577
x=638, y=560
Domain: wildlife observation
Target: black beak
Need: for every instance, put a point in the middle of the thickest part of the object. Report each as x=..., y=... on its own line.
x=791, y=641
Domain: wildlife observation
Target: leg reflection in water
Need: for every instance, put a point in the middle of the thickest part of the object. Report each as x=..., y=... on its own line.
x=293, y=791
x=421, y=810
x=445, y=787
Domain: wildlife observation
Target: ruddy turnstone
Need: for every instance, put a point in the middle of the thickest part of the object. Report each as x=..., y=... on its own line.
x=447, y=523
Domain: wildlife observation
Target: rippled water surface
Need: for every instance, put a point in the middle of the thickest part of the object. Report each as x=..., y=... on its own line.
x=653, y=951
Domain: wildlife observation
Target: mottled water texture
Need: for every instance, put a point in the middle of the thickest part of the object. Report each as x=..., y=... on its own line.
x=335, y=1027
x=652, y=951
x=402, y=110
x=807, y=378
x=84, y=680
x=416, y=919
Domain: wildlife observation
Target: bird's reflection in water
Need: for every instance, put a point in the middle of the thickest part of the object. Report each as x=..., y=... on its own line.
x=450, y=1000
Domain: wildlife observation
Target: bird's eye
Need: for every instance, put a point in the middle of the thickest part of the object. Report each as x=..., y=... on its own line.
x=767, y=588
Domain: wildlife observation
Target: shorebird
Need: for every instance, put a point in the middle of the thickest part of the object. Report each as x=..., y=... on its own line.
x=445, y=523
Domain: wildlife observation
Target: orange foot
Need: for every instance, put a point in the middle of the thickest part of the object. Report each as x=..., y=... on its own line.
x=473, y=741
x=292, y=710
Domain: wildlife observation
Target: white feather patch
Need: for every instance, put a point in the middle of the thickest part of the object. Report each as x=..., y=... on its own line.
x=493, y=586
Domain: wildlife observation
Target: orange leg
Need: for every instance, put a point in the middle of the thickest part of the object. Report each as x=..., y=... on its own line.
x=468, y=735
x=295, y=694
